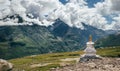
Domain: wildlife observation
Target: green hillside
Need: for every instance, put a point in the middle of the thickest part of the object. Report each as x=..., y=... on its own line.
x=18, y=41
x=109, y=41
x=46, y=62
x=25, y=40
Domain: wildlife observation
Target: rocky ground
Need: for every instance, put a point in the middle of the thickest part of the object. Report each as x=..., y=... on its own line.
x=105, y=64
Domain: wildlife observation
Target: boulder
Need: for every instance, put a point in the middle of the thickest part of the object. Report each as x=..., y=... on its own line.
x=5, y=66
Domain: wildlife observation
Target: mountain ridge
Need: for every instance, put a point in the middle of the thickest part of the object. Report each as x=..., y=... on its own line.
x=33, y=39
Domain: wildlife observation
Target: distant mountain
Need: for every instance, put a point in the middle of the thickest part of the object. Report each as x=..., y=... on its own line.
x=18, y=41
x=60, y=29
x=109, y=41
x=112, y=32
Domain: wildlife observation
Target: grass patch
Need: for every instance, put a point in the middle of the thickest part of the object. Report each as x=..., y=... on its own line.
x=57, y=55
x=74, y=54
x=109, y=52
x=45, y=68
x=55, y=59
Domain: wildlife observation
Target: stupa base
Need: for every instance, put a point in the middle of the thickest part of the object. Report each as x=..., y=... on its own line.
x=85, y=58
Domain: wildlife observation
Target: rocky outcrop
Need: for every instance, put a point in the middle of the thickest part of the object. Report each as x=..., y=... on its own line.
x=105, y=64
x=5, y=66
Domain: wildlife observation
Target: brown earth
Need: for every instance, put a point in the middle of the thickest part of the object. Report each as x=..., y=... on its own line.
x=104, y=64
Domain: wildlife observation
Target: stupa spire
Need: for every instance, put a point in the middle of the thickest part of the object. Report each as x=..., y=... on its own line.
x=90, y=37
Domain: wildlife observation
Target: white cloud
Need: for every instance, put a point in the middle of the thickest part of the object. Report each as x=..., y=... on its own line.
x=45, y=12
x=36, y=9
x=116, y=23
x=115, y=5
x=110, y=7
x=104, y=7
x=4, y=8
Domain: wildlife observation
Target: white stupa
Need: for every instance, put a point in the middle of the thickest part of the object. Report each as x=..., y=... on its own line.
x=90, y=52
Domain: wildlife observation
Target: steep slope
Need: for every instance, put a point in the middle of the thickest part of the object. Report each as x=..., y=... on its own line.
x=24, y=40
x=75, y=37
x=18, y=41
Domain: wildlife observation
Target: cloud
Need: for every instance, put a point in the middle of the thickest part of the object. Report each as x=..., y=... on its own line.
x=108, y=7
x=73, y=14
x=4, y=8
x=104, y=8
x=45, y=12
x=30, y=10
x=116, y=23
x=115, y=5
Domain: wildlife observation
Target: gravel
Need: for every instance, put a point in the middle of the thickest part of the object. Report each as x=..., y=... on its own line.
x=104, y=64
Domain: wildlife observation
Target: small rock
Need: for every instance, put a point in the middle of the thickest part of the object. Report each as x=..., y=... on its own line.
x=91, y=65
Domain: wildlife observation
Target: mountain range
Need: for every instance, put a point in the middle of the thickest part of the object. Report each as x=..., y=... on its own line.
x=23, y=40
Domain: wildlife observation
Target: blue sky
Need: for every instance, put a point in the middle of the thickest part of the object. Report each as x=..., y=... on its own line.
x=63, y=1
x=90, y=2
